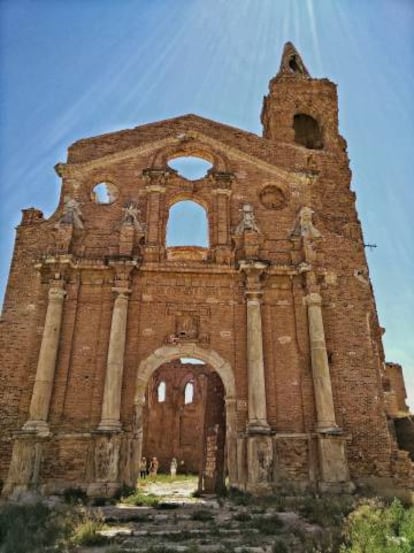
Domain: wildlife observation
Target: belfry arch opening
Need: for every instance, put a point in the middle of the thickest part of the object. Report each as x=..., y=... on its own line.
x=307, y=131
x=187, y=225
x=188, y=434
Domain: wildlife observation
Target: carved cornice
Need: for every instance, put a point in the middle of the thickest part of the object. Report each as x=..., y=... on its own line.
x=284, y=177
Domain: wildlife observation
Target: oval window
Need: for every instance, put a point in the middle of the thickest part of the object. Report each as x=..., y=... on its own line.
x=104, y=193
x=190, y=167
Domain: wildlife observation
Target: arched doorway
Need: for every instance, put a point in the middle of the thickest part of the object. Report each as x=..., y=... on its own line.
x=184, y=420
x=213, y=412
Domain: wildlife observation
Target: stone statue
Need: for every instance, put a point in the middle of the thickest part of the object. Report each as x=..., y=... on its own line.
x=248, y=221
x=305, y=227
x=173, y=467
x=72, y=213
x=131, y=217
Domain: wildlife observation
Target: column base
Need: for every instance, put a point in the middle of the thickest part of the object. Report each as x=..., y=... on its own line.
x=259, y=463
x=103, y=489
x=109, y=425
x=37, y=427
x=330, y=429
x=258, y=427
x=332, y=460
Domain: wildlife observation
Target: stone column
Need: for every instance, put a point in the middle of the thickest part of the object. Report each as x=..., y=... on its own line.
x=111, y=406
x=257, y=413
x=320, y=368
x=45, y=373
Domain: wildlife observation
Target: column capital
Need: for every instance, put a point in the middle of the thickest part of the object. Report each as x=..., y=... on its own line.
x=56, y=293
x=222, y=182
x=122, y=292
x=156, y=179
x=155, y=188
x=253, y=266
x=222, y=191
x=314, y=298
x=254, y=272
x=123, y=269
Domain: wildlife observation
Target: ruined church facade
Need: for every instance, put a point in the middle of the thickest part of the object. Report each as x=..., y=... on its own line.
x=277, y=308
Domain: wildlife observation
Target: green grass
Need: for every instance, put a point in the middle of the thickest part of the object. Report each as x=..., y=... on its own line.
x=167, y=479
x=142, y=499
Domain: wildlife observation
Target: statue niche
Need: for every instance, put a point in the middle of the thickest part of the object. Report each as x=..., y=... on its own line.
x=186, y=326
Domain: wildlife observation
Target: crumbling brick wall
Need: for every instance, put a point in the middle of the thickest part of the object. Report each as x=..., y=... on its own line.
x=277, y=176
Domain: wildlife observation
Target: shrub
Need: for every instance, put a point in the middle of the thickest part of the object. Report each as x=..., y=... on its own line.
x=75, y=495
x=326, y=510
x=280, y=547
x=239, y=497
x=374, y=527
x=124, y=491
x=31, y=528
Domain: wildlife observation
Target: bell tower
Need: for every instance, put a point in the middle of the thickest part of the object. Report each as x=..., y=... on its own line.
x=299, y=109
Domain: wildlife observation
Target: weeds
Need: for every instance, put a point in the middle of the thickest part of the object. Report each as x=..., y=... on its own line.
x=202, y=515
x=326, y=510
x=239, y=497
x=267, y=524
x=26, y=528
x=280, y=546
x=242, y=516
x=74, y=496
x=86, y=528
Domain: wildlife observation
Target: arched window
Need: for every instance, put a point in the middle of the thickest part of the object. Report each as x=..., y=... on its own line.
x=190, y=167
x=187, y=225
x=307, y=131
x=189, y=393
x=161, y=392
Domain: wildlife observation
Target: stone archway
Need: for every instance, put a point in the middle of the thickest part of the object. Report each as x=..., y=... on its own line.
x=165, y=354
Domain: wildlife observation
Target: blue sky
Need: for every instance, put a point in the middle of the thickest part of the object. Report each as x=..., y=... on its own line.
x=73, y=69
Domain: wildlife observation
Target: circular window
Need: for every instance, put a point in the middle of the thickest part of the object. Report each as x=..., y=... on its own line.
x=104, y=193
x=271, y=197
